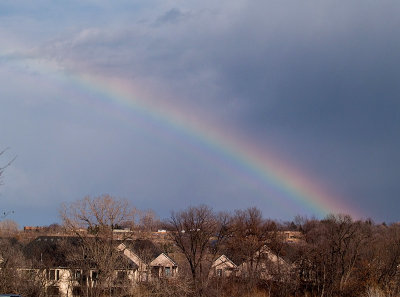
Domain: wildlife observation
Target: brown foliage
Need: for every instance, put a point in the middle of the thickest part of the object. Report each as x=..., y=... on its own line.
x=199, y=234
x=16, y=275
x=93, y=221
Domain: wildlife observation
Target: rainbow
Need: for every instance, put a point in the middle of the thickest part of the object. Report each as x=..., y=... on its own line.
x=281, y=183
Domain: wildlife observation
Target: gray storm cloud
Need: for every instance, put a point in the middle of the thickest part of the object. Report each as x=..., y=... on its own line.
x=317, y=81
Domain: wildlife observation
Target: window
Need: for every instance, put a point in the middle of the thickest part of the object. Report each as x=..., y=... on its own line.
x=95, y=275
x=219, y=272
x=167, y=271
x=53, y=291
x=53, y=274
x=78, y=274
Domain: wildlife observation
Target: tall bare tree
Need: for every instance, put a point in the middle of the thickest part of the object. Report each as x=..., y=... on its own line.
x=384, y=254
x=4, y=214
x=16, y=273
x=252, y=234
x=3, y=167
x=148, y=221
x=331, y=260
x=8, y=228
x=198, y=232
x=93, y=221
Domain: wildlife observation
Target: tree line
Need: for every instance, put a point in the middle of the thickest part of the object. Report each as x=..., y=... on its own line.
x=333, y=256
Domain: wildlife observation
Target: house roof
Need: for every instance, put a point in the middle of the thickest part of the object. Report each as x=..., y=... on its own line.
x=123, y=262
x=224, y=259
x=143, y=248
x=162, y=260
x=238, y=257
x=57, y=251
x=49, y=250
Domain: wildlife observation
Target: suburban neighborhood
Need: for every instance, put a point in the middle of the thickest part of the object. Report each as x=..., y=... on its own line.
x=100, y=251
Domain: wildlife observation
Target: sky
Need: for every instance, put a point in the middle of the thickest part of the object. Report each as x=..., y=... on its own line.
x=289, y=106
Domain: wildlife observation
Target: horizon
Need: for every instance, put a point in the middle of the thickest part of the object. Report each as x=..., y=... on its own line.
x=7, y=216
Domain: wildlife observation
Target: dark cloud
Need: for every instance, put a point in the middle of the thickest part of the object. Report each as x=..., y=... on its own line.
x=171, y=16
x=316, y=81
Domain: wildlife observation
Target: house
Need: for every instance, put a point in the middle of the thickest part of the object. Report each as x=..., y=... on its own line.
x=163, y=267
x=49, y=263
x=140, y=252
x=265, y=264
x=223, y=267
x=151, y=262
x=58, y=260
x=294, y=237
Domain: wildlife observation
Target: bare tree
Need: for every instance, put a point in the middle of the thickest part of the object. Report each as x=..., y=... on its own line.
x=384, y=254
x=10, y=260
x=198, y=234
x=331, y=261
x=2, y=168
x=16, y=274
x=252, y=236
x=148, y=221
x=8, y=228
x=93, y=221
